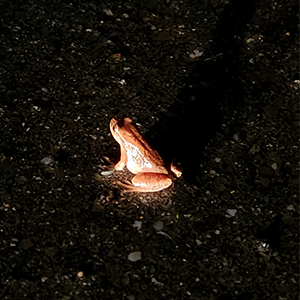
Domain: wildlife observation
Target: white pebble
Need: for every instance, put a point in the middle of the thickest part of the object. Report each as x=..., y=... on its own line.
x=274, y=166
x=134, y=256
x=231, y=212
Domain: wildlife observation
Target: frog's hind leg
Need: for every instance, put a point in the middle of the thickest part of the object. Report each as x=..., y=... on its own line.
x=129, y=187
x=147, y=182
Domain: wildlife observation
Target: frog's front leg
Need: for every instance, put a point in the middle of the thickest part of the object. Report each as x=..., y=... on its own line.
x=147, y=182
x=123, y=160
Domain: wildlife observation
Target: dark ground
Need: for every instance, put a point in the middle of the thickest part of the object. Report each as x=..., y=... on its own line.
x=229, y=116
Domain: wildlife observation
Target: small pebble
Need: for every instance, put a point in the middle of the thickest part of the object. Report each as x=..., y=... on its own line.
x=108, y=12
x=196, y=53
x=47, y=160
x=231, y=212
x=135, y=256
x=235, y=137
x=159, y=225
x=137, y=225
x=165, y=234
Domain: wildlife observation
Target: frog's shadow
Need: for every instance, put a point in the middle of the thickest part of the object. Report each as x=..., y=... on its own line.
x=195, y=115
x=188, y=126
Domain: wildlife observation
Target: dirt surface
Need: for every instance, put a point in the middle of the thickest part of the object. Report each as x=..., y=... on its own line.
x=211, y=84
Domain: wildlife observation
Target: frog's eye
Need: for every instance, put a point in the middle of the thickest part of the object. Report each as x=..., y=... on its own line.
x=116, y=128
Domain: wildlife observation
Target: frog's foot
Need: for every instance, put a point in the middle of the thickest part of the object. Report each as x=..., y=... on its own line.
x=107, y=167
x=146, y=183
x=176, y=169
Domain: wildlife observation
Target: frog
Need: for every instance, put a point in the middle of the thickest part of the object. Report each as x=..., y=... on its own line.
x=152, y=174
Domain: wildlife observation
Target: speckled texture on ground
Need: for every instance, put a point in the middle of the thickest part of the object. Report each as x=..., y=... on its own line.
x=228, y=115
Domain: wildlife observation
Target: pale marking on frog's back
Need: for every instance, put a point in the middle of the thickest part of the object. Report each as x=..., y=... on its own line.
x=134, y=156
